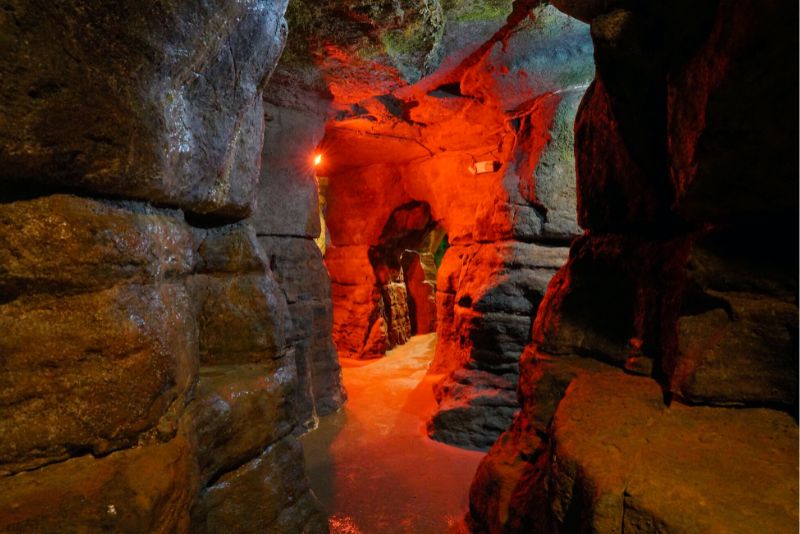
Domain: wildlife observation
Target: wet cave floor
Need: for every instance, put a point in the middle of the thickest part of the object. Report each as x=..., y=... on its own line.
x=372, y=466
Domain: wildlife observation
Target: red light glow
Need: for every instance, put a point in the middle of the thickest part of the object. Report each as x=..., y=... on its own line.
x=317, y=160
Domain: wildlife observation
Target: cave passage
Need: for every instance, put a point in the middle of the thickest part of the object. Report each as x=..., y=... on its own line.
x=372, y=465
x=446, y=206
x=554, y=264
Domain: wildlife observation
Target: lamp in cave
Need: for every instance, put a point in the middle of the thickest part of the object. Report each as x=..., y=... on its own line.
x=483, y=167
x=317, y=160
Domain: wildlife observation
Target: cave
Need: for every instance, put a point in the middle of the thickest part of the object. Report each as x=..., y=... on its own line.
x=407, y=266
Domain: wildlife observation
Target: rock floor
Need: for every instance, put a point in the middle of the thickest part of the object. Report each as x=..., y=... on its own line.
x=373, y=467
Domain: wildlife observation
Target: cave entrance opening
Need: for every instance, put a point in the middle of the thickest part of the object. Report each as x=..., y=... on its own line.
x=404, y=264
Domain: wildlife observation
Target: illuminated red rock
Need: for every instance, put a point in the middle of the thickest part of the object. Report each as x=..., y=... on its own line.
x=489, y=155
x=419, y=273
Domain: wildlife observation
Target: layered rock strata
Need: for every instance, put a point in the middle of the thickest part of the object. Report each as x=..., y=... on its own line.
x=686, y=177
x=143, y=357
x=287, y=221
x=149, y=354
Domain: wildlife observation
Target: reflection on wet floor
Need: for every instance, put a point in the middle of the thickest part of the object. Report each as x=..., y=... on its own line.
x=373, y=467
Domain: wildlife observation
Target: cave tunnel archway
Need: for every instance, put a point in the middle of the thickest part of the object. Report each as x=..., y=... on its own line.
x=500, y=182
x=481, y=150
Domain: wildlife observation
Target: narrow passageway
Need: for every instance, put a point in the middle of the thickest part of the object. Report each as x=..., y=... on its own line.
x=372, y=465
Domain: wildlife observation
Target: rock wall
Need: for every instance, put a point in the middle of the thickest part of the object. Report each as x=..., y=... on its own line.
x=419, y=277
x=685, y=279
x=149, y=355
x=287, y=222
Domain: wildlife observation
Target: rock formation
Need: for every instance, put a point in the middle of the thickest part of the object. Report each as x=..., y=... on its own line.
x=419, y=278
x=287, y=222
x=151, y=344
x=481, y=148
x=607, y=250
x=685, y=279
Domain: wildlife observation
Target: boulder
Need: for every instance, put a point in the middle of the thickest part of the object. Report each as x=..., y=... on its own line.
x=628, y=474
x=571, y=474
x=185, y=129
x=474, y=407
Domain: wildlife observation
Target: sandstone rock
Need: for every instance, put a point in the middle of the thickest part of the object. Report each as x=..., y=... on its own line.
x=739, y=354
x=144, y=489
x=359, y=330
x=240, y=319
x=661, y=165
x=545, y=380
x=305, y=516
x=586, y=10
x=299, y=270
x=370, y=48
x=767, y=266
x=369, y=298
x=474, y=408
x=107, y=306
x=238, y=410
x=232, y=250
x=450, y=352
x=241, y=311
x=622, y=179
x=349, y=266
x=68, y=363
x=614, y=299
x=377, y=342
x=394, y=307
x=613, y=186
x=737, y=338
x=485, y=326
x=288, y=195
x=554, y=176
x=375, y=191
x=266, y=494
x=65, y=244
x=733, y=465
x=738, y=93
x=185, y=130
x=627, y=472
x=509, y=276
x=508, y=470
x=419, y=273
x=496, y=288
x=470, y=23
x=511, y=475
x=549, y=53
x=498, y=221
x=449, y=273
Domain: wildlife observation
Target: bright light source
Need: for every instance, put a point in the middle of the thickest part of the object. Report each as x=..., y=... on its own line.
x=483, y=167
x=317, y=160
